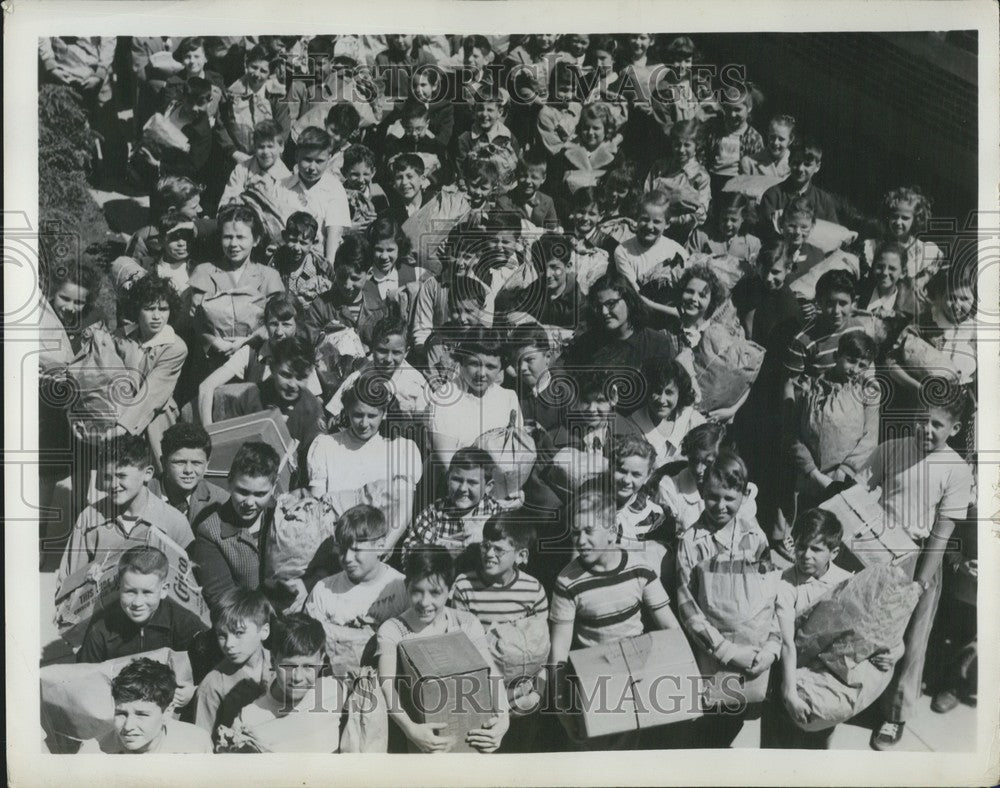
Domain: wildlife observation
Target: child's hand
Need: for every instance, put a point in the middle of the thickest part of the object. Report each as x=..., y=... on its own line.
x=239, y=156
x=149, y=157
x=761, y=663
x=94, y=572
x=487, y=738
x=882, y=661
x=797, y=708
x=743, y=659
x=297, y=587
x=808, y=309
x=424, y=736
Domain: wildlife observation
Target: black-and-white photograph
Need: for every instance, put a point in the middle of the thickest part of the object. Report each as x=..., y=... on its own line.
x=509, y=393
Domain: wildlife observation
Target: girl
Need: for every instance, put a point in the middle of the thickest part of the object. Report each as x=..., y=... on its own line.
x=358, y=456
x=680, y=95
x=594, y=150
x=393, y=263
x=619, y=195
x=228, y=297
x=906, y=212
x=684, y=179
x=559, y=116
x=599, y=62
x=773, y=158
x=249, y=100
x=251, y=364
x=150, y=347
x=70, y=295
x=177, y=236
x=668, y=413
x=884, y=291
x=727, y=233
x=429, y=574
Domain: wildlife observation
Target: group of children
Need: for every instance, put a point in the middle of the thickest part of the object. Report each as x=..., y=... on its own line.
x=425, y=260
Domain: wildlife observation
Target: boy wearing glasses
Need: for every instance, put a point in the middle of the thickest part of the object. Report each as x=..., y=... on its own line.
x=366, y=592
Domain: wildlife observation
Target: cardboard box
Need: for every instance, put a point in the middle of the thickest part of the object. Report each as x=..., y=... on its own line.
x=638, y=682
x=79, y=599
x=871, y=536
x=444, y=679
x=268, y=426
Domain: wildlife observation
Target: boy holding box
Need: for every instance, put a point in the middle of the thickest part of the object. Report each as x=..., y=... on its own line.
x=926, y=486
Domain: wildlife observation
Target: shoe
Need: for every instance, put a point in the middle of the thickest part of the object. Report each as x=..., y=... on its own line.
x=887, y=735
x=944, y=701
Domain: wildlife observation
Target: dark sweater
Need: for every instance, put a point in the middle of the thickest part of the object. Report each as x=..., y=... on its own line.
x=112, y=634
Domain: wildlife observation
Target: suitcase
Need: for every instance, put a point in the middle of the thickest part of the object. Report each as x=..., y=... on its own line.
x=267, y=426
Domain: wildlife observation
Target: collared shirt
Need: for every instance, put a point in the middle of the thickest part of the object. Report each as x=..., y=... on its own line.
x=439, y=524
x=388, y=284
x=799, y=592
x=637, y=263
x=204, y=495
x=681, y=496
x=98, y=533
x=234, y=309
x=326, y=200
x=239, y=366
x=666, y=436
x=306, y=280
x=249, y=172
x=157, y=362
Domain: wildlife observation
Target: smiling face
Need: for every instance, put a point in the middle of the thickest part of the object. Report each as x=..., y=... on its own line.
x=257, y=72
x=795, y=228
x=779, y=137
x=901, y=220
x=139, y=725
x=598, y=411
x=556, y=272
x=298, y=244
x=361, y=560
x=638, y=44
x=696, y=299
x=611, y=310
x=699, y=460
x=888, y=270
x=140, y=595
x=848, y=366
x=350, y=281
x=123, y=483
x=956, y=303
x=364, y=420
x=476, y=59
x=385, y=252
x=237, y=242
x=428, y=597
x=803, y=165
x=685, y=149
x=584, y=219
x=466, y=487
x=185, y=468
x=389, y=352
x=194, y=61
x=287, y=384
x=423, y=87
x=813, y=558
x=243, y=641
x=479, y=191
x=358, y=176
x=721, y=502
x=266, y=152
x=296, y=676
x=487, y=115
x=478, y=372
x=250, y=495
x=576, y=44
x=650, y=223
x=730, y=223
x=630, y=474
x=833, y=309
x=415, y=128
x=68, y=302
x=531, y=178
x=775, y=274
x=499, y=559
x=662, y=403
x=408, y=184
x=592, y=133
x=934, y=427
x=592, y=531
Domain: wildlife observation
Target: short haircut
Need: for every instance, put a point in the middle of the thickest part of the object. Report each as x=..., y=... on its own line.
x=197, y=88
x=502, y=222
x=303, y=224
x=362, y=523
x=144, y=560
x=685, y=130
x=857, y=344
x=242, y=214
x=819, y=524
x=255, y=459
x=551, y=246
x=266, y=130
x=596, y=494
x=296, y=635
x=372, y=387
x=312, y=139
x=531, y=337
x=189, y=44
x=183, y=435
x=281, y=306
x=358, y=154
x=836, y=282
x=466, y=288
x=482, y=43
x=257, y=54
x=728, y=471
x=633, y=446
x=402, y=162
x=601, y=113
x=774, y=252
x=732, y=201
x=144, y=679
x=533, y=157
x=510, y=525
x=948, y=397
x=240, y=606
x=659, y=372
x=656, y=197
x=584, y=198
x=800, y=206
x=479, y=340
x=679, y=48
x=344, y=118
x=471, y=458
x=429, y=561
x=170, y=220
x=128, y=451
x=805, y=148
x=172, y=191
x=353, y=253
x=147, y=291
x=953, y=277
x=296, y=351
x=892, y=247
x=392, y=325
x=413, y=110
x=475, y=168
x=704, y=437
x=717, y=290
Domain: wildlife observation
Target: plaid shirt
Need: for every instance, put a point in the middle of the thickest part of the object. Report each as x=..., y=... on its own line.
x=700, y=543
x=438, y=524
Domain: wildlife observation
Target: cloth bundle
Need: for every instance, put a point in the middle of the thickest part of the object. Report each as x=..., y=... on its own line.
x=102, y=380
x=726, y=364
x=513, y=451
x=520, y=650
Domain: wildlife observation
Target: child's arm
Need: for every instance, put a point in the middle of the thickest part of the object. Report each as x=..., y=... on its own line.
x=154, y=391
x=656, y=601
x=234, y=367
x=561, y=638
x=859, y=455
x=797, y=708
x=898, y=375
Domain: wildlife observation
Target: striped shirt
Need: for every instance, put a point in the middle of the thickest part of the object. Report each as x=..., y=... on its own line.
x=606, y=605
x=811, y=352
x=495, y=604
x=741, y=538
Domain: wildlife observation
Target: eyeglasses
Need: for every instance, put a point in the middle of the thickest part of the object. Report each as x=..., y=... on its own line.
x=488, y=547
x=609, y=305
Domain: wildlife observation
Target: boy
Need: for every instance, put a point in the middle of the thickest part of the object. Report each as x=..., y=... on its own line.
x=417, y=139
x=142, y=692
x=406, y=176
x=353, y=300
x=244, y=623
x=312, y=188
x=285, y=716
x=811, y=351
x=804, y=159
x=303, y=273
x=649, y=256
x=124, y=518
x=456, y=520
x=835, y=427
x=763, y=300
x=553, y=254
x=926, y=487
x=264, y=166
x=719, y=531
x=526, y=199
x=481, y=404
x=797, y=223
x=186, y=451
x=367, y=200
x=487, y=126
x=232, y=540
x=538, y=403
x=601, y=595
x=352, y=604
x=342, y=123
x=145, y=619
